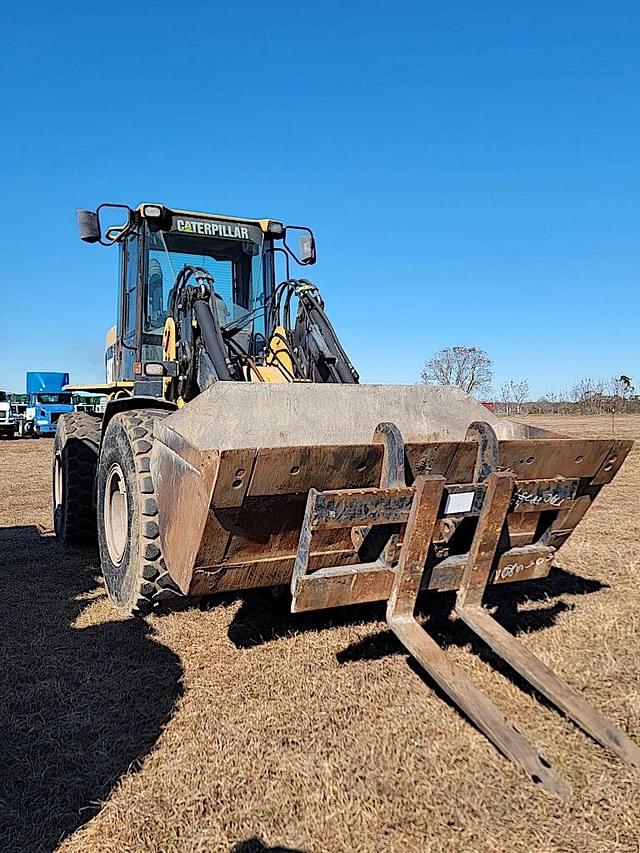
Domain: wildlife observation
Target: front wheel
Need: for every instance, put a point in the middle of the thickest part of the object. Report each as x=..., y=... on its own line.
x=128, y=533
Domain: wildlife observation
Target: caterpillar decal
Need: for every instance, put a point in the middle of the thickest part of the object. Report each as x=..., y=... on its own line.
x=213, y=229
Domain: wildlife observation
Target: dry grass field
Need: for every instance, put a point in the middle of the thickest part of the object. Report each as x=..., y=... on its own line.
x=235, y=726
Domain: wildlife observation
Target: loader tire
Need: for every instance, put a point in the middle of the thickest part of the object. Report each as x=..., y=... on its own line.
x=134, y=570
x=75, y=458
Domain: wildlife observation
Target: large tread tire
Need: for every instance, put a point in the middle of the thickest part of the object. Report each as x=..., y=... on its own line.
x=136, y=579
x=75, y=457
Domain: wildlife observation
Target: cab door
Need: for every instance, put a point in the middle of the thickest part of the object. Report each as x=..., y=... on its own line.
x=130, y=306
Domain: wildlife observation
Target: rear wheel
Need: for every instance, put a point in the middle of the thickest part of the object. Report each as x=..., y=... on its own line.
x=75, y=456
x=128, y=533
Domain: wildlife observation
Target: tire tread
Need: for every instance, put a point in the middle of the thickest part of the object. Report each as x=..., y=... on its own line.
x=78, y=442
x=153, y=587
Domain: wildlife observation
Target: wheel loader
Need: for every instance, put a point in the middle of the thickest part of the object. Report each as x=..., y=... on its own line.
x=237, y=449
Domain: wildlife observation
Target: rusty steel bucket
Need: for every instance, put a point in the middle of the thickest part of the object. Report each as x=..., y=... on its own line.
x=360, y=493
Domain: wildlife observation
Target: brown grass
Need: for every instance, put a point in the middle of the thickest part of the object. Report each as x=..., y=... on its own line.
x=240, y=728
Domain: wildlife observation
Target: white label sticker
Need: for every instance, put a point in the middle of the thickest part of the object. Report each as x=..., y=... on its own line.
x=461, y=502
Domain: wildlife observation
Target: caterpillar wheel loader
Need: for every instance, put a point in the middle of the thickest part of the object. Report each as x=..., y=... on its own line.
x=238, y=449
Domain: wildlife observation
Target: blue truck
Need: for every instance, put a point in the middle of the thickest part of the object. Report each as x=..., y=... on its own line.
x=46, y=401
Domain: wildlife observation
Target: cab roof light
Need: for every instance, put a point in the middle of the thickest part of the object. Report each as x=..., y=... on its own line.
x=152, y=211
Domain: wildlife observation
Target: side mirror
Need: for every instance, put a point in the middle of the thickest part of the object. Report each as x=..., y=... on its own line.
x=306, y=243
x=92, y=229
x=307, y=251
x=88, y=226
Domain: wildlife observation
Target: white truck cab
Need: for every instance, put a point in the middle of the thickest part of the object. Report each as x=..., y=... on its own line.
x=8, y=424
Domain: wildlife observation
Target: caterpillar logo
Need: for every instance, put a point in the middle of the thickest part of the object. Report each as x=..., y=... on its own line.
x=213, y=229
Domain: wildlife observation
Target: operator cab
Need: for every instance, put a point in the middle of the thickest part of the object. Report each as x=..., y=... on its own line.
x=153, y=253
x=233, y=260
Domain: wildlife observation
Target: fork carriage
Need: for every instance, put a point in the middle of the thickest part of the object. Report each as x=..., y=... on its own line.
x=347, y=524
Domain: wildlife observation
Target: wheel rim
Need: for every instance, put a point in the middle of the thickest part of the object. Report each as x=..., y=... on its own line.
x=57, y=481
x=116, y=514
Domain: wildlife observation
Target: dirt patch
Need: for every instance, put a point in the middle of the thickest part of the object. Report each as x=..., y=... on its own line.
x=238, y=727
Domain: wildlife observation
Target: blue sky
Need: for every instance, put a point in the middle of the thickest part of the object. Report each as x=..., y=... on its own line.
x=471, y=169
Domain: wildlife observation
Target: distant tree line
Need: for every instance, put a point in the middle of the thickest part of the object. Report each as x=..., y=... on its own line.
x=591, y=397
x=471, y=369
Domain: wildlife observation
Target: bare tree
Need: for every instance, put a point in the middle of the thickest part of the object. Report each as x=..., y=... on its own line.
x=581, y=394
x=520, y=393
x=598, y=398
x=620, y=388
x=574, y=394
x=564, y=397
x=505, y=396
x=516, y=393
x=470, y=368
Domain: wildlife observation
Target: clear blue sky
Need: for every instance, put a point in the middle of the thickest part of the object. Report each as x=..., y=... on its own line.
x=471, y=169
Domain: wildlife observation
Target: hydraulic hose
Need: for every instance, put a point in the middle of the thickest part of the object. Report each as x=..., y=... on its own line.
x=187, y=301
x=343, y=368
x=212, y=339
x=313, y=333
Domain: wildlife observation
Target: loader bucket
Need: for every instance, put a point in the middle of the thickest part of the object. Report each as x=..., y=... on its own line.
x=361, y=493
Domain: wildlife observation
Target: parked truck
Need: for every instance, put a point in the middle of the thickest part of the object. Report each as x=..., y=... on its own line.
x=46, y=401
x=8, y=425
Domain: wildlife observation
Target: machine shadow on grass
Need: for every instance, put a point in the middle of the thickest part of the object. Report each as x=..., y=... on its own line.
x=79, y=707
x=265, y=615
x=254, y=845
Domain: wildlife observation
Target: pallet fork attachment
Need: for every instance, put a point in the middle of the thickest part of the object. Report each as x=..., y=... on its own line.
x=418, y=507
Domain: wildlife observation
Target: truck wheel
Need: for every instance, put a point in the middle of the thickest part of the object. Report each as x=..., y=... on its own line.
x=75, y=456
x=128, y=533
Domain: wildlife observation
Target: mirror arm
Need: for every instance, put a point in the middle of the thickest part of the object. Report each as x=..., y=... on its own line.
x=280, y=250
x=114, y=232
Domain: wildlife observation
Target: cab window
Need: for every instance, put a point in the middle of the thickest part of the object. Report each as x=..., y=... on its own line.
x=235, y=266
x=162, y=270
x=130, y=284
